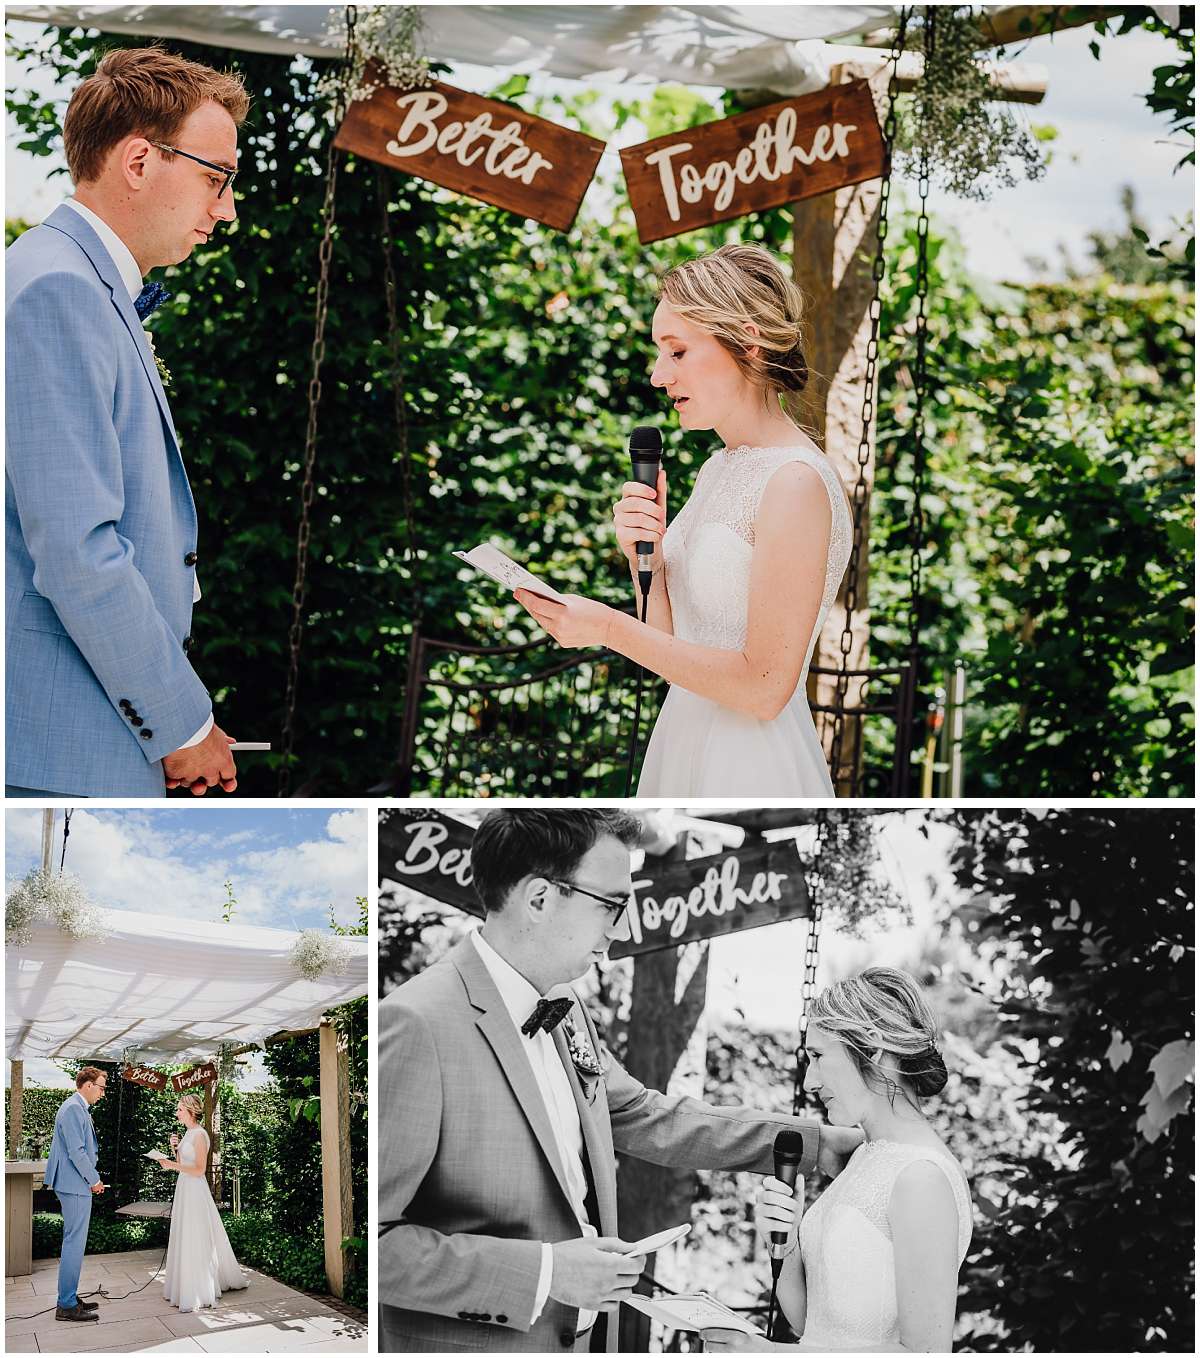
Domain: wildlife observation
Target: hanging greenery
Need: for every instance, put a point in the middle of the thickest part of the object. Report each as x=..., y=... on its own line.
x=974, y=142
x=848, y=872
x=387, y=43
x=56, y=897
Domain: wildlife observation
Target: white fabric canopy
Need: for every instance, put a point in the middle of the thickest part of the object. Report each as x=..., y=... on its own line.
x=777, y=47
x=163, y=990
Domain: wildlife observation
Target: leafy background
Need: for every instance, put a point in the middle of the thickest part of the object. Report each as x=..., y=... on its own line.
x=1059, y=502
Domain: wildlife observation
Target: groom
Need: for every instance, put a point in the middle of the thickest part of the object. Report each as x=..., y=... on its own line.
x=101, y=529
x=504, y=1110
x=71, y=1172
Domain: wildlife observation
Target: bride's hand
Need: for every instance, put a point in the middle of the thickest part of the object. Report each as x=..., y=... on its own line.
x=640, y=515
x=777, y=1209
x=573, y=623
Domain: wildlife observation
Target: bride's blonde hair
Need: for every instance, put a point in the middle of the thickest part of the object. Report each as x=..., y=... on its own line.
x=193, y=1104
x=740, y=285
x=884, y=1009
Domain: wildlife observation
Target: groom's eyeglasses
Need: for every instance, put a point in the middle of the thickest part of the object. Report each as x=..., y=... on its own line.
x=614, y=906
x=227, y=175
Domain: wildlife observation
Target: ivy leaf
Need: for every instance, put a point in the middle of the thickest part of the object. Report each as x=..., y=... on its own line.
x=1174, y=1065
x=1119, y=1051
x=1159, y=1111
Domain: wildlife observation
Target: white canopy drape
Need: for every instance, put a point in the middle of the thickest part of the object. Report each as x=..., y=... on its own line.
x=777, y=47
x=163, y=990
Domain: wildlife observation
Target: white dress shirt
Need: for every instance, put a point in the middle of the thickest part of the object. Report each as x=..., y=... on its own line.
x=554, y=1084
x=131, y=276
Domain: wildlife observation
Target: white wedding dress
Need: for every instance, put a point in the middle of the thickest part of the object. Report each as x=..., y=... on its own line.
x=699, y=748
x=200, y=1260
x=846, y=1246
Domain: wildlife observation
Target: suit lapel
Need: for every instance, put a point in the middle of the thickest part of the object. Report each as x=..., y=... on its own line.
x=70, y=223
x=599, y=1146
x=496, y=1025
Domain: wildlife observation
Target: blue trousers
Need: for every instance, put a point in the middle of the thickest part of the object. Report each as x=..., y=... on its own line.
x=77, y=1214
x=11, y=791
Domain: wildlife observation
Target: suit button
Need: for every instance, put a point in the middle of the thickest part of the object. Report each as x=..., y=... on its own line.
x=190, y=559
x=147, y=734
x=125, y=705
x=188, y=643
x=483, y=1315
x=462, y=1315
x=503, y=1320
x=567, y=1339
x=137, y=721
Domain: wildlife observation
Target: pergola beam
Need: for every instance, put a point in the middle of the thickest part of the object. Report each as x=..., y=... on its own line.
x=1000, y=25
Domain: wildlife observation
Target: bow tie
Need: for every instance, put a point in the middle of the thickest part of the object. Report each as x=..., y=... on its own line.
x=151, y=297
x=547, y=1014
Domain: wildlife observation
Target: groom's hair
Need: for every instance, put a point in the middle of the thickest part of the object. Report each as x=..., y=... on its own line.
x=510, y=845
x=88, y=1075
x=146, y=91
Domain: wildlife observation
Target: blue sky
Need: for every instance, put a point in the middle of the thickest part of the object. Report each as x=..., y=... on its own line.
x=1107, y=138
x=287, y=866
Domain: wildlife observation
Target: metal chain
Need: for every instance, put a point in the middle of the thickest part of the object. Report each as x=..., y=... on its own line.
x=399, y=405
x=920, y=364
x=324, y=256
x=66, y=835
x=859, y=496
x=812, y=946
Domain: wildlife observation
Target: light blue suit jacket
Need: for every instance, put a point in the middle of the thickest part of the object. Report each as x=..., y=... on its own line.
x=71, y=1167
x=100, y=530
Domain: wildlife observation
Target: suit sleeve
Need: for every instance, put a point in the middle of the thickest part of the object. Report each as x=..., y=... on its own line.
x=74, y=1131
x=420, y=1267
x=686, y=1133
x=64, y=467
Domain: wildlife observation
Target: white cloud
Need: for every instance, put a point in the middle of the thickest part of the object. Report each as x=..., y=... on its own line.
x=163, y=863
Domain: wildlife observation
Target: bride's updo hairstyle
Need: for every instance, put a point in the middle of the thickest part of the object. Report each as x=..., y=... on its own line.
x=192, y=1103
x=884, y=1009
x=740, y=285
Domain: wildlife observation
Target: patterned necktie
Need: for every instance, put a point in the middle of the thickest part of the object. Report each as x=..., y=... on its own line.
x=151, y=297
x=547, y=1015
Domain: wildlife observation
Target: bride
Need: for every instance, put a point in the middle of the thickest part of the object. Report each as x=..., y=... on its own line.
x=747, y=571
x=873, y=1265
x=200, y=1260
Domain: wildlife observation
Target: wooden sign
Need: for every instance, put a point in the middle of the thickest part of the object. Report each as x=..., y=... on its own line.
x=723, y=893
x=773, y=155
x=431, y=853
x=194, y=1078
x=480, y=147
x=144, y=1075
x=676, y=902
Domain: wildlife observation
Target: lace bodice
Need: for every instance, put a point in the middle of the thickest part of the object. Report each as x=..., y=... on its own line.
x=187, y=1145
x=846, y=1245
x=709, y=544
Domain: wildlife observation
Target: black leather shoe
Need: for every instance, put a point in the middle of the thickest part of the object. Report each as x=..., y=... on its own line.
x=76, y=1312
x=88, y=1305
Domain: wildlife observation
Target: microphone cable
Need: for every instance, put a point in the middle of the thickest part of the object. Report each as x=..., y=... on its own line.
x=645, y=582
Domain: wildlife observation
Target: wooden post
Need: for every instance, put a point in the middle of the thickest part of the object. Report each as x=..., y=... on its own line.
x=662, y=1029
x=211, y=1125
x=16, y=1106
x=833, y=250
x=336, y=1196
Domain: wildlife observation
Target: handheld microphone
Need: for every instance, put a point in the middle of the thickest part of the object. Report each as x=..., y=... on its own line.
x=645, y=456
x=789, y=1150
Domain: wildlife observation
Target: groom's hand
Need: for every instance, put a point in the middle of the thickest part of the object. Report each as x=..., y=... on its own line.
x=592, y=1275
x=99, y=1188
x=837, y=1145
x=199, y=767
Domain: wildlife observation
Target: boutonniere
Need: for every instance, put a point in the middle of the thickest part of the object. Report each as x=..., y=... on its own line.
x=583, y=1057
x=164, y=373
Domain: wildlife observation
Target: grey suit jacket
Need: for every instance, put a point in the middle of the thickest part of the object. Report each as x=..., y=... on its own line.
x=469, y=1179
